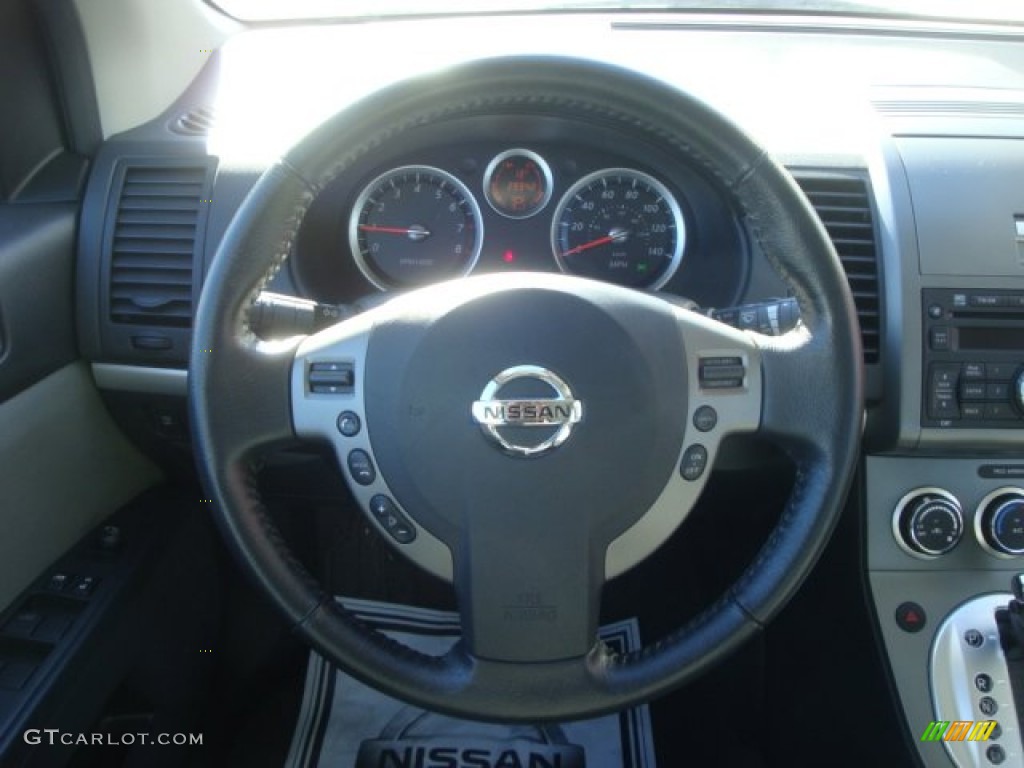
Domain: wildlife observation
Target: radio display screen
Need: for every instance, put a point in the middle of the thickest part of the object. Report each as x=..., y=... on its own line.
x=1004, y=339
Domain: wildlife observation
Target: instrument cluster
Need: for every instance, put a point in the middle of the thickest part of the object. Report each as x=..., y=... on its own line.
x=446, y=211
x=418, y=224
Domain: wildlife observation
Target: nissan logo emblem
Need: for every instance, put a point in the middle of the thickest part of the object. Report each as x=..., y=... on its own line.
x=561, y=412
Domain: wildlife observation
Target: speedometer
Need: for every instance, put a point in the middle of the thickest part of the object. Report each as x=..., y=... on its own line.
x=619, y=225
x=415, y=225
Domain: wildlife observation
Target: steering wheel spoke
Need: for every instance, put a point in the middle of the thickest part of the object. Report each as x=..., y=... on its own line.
x=724, y=377
x=528, y=580
x=327, y=380
x=328, y=399
x=256, y=413
x=724, y=398
x=799, y=391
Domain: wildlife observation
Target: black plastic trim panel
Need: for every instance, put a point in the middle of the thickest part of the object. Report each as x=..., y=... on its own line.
x=48, y=628
x=36, y=294
x=72, y=74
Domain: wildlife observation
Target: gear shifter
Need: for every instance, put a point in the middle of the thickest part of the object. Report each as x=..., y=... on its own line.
x=1010, y=622
x=976, y=672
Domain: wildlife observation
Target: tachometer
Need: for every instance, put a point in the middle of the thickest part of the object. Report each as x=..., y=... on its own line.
x=415, y=225
x=619, y=225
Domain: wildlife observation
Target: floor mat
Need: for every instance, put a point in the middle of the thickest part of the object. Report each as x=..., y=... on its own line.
x=345, y=724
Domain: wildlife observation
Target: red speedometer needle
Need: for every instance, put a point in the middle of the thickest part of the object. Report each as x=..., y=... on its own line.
x=615, y=236
x=592, y=244
x=417, y=231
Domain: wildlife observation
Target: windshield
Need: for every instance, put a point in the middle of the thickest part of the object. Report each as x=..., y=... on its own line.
x=990, y=11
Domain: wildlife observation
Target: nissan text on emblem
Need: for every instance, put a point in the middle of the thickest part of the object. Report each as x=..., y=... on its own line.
x=558, y=414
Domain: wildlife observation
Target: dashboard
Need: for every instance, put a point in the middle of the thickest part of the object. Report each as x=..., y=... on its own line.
x=907, y=142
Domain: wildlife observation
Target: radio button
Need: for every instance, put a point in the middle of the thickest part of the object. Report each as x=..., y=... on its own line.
x=942, y=403
x=974, y=371
x=987, y=300
x=938, y=338
x=973, y=411
x=1000, y=411
x=943, y=407
x=998, y=391
x=973, y=390
x=1001, y=370
x=945, y=375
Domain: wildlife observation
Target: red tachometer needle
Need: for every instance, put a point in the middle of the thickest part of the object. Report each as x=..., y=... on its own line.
x=592, y=244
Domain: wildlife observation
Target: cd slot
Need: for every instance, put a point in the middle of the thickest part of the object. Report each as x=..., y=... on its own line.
x=974, y=314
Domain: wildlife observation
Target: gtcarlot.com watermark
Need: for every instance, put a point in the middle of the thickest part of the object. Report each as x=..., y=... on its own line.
x=54, y=736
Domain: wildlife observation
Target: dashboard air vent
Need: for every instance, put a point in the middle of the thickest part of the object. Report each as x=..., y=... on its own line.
x=195, y=122
x=843, y=204
x=153, y=244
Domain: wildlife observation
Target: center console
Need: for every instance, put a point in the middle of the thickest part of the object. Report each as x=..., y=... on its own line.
x=945, y=495
x=941, y=559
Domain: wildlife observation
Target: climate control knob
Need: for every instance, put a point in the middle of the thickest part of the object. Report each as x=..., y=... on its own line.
x=928, y=522
x=999, y=522
x=1018, y=391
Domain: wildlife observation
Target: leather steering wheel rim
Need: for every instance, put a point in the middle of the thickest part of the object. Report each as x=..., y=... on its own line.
x=811, y=401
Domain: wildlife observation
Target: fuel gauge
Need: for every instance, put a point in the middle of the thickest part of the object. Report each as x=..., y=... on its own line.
x=517, y=183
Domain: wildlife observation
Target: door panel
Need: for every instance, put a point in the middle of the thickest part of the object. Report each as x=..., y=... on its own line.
x=64, y=466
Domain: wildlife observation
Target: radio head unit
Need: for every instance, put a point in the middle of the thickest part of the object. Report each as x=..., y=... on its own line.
x=973, y=359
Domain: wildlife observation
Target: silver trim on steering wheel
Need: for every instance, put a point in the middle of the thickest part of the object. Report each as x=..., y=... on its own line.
x=315, y=416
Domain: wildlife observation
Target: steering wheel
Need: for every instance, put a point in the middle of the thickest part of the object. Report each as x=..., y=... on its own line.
x=528, y=436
